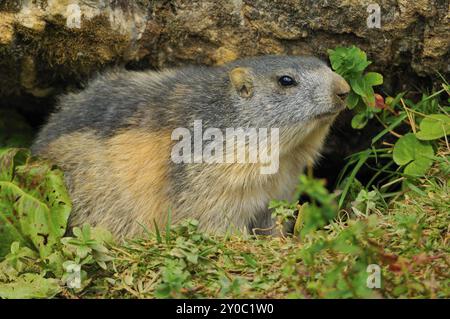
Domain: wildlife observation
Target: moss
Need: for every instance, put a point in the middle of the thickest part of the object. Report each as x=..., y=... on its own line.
x=15, y=6
x=57, y=58
x=68, y=56
x=10, y=6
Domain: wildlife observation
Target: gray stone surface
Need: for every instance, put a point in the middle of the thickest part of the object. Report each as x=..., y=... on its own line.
x=48, y=44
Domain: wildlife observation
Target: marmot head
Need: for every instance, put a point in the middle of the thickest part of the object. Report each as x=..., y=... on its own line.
x=285, y=91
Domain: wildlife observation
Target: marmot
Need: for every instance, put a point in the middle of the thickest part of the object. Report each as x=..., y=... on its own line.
x=114, y=141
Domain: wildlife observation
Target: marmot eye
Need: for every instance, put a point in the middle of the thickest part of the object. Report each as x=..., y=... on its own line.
x=286, y=80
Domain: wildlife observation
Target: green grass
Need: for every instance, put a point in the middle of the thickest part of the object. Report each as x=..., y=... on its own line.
x=409, y=241
x=404, y=231
x=328, y=257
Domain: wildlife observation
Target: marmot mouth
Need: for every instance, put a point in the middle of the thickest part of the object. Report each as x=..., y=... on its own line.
x=334, y=111
x=327, y=114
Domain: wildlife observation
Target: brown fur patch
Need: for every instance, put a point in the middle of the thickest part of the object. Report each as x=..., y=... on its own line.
x=117, y=183
x=141, y=161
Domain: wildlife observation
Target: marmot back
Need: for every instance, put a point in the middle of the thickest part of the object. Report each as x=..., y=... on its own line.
x=130, y=147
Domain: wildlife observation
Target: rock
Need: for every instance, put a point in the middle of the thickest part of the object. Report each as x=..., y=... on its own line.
x=47, y=46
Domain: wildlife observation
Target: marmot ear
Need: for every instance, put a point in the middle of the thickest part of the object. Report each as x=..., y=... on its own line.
x=242, y=81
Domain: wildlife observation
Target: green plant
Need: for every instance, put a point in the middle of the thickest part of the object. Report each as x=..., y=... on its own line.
x=34, y=210
x=426, y=122
x=433, y=127
x=416, y=156
x=320, y=211
x=365, y=203
x=88, y=245
x=27, y=275
x=283, y=212
x=350, y=63
x=34, y=203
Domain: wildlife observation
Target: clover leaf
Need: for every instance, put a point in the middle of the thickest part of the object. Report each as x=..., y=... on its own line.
x=434, y=126
x=415, y=155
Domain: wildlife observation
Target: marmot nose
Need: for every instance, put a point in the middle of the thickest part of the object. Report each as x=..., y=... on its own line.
x=340, y=86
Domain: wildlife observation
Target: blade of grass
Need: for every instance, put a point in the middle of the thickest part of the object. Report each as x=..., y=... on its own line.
x=380, y=171
x=415, y=189
x=169, y=221
x=363, y=158
x=389, y=128
x=158, y=234
x=146, y=230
